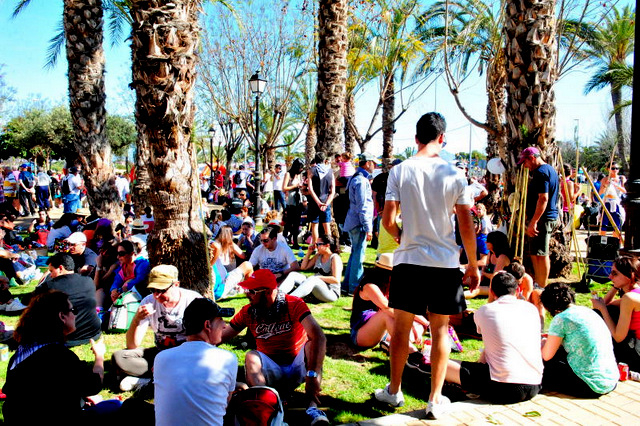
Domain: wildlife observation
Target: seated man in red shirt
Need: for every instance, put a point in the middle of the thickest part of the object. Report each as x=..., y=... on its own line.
x=291, y=344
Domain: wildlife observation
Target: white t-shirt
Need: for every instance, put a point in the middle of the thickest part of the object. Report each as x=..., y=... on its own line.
x=276, y=261
x=75, y=182
x=510, y=331
x=192, y=383
x=167, y=324
x=428, y=189
x=123, y=188
x=268, y=183
x=475, y=188
x=278, y=180
x=43, y=179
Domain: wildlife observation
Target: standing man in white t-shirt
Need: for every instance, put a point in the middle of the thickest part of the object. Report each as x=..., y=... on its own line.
x=194, y=381
x=42, y=189
x=279, y=202
x=426, y=275
x=76, y=185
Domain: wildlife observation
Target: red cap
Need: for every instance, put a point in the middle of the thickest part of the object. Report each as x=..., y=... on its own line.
x=532, y=151
x=260, y=278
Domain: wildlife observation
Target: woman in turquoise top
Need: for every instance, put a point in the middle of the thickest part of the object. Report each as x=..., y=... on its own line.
x=578, y=353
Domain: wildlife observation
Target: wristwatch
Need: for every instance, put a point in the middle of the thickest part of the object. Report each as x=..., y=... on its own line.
x=312, y=374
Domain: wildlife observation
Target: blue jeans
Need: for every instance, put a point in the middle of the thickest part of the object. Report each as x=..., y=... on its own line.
x=279, y=201
x=355, y=269
x=42, y=195
x=71, y=203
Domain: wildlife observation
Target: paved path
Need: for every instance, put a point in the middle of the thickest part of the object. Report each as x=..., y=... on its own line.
x=620, y=407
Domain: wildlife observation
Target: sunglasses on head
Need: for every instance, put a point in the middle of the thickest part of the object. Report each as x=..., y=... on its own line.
x=157, y=291
x=254, y=292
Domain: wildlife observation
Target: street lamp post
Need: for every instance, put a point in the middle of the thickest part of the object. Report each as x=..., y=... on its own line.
x=257, y=86
x=212, y=133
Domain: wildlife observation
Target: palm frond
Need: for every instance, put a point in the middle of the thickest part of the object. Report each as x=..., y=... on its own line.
x=56, y=44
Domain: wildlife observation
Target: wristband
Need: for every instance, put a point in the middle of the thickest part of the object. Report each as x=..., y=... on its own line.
x=312, y=374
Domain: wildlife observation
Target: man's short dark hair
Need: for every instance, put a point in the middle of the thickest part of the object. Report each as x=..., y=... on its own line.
x=199, y=311
x=319, y=158
x=503, y=283
x=271, y=230
x=429, y=127
x=61, y=259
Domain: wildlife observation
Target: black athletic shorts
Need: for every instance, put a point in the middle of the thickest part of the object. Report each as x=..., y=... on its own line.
x=420, y=289
x=475, y=377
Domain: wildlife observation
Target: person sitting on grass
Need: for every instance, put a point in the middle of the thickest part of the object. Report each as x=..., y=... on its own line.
x=525, y=287
x=510, y=367
x=46, y=381
x=193, y=382
x=327, y=266
x=81, y=292
x=372, y=319
x=131, y=273
x=499, y=257
x=578, y=353
x=622, y=315
x=163, y=311
x=290, y=344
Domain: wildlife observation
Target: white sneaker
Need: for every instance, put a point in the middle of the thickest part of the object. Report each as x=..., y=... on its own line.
x=395, y=400
x=14, y=306
x=437, y=410
x=131, y=383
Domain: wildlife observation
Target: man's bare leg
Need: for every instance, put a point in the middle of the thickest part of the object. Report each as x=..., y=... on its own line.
x=440, y=349
x=399, y=348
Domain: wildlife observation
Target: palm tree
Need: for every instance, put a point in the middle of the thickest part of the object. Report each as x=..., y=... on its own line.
x=332, y=74
x=611, y=43
x=83, y=35
x=164, y=44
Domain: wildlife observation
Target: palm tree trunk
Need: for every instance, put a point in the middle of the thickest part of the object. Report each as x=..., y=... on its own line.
x=82, y=20
x=350, y=138
x=332, y=74
x=496, y=141
x=388, y=114
x=310, y=142
x=530, y=114
x=616, y=98
x=164, y=43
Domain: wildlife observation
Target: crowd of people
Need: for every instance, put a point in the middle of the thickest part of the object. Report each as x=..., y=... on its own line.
x=426, y=219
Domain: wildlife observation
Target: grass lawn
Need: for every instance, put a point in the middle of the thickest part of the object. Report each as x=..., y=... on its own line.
x=349, y=377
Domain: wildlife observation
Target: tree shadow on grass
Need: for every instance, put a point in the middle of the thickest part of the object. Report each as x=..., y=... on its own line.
x=339, y=347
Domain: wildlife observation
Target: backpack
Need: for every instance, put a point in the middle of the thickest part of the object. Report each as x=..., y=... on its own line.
x=256, y=406
x=123, y=310
x=237, y=178
x=64, y=188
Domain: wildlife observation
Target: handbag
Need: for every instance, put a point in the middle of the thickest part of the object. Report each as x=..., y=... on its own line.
x=123, y=310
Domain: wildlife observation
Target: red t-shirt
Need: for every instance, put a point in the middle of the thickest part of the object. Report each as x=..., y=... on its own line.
x=282, y=338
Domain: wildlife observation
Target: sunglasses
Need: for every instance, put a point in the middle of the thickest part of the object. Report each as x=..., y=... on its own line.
x=157, y=291
x=254, y=292
x=265, y=241
x=615, y=168
x=319, y=243
x=73, y=310
x=122, y=253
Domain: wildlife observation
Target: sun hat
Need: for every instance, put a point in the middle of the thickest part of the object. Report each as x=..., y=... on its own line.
x=139, y=225
x=83, y=211
x=260, y=278
x=385, y=261
x=76, y=237
x=162, y=277
x=532, y=151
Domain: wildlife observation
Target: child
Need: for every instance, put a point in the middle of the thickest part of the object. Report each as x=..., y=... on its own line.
x=346, y=165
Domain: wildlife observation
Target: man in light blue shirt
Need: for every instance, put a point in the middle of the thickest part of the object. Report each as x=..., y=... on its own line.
x=359, y=220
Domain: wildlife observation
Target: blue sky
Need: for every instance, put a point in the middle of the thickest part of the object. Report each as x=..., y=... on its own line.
x=23, y=51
